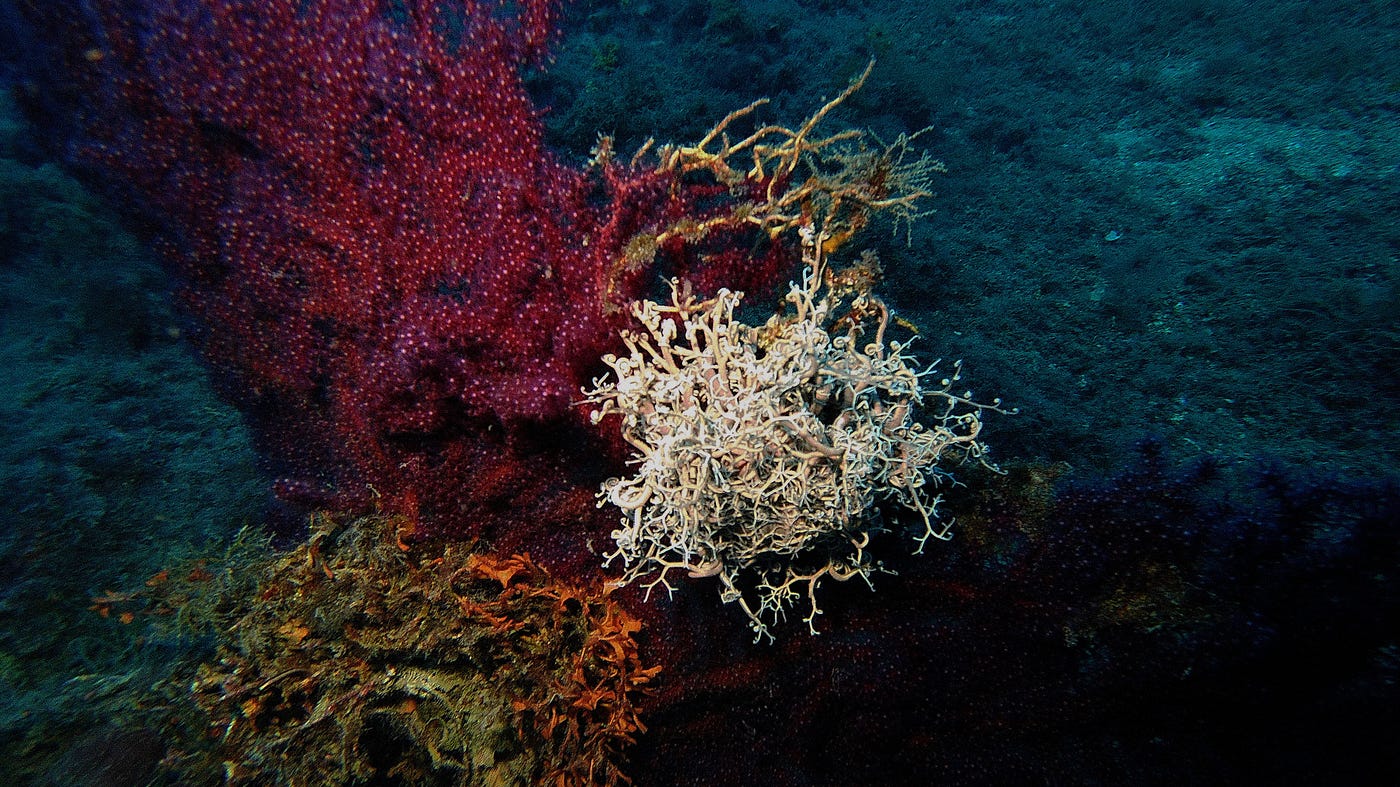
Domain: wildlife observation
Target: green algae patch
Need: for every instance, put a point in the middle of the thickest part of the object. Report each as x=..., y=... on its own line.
x=356, y=658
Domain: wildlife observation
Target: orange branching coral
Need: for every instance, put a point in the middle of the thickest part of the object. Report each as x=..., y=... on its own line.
x=777, y=180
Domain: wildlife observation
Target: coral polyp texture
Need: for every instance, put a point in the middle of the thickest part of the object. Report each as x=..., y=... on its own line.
x=385, y=267
x=764, y=451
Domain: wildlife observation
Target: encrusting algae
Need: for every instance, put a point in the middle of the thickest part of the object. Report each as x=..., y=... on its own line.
x=355, y=659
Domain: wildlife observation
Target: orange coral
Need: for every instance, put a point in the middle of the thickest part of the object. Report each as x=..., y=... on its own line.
x=587, y=712
x=350, y=658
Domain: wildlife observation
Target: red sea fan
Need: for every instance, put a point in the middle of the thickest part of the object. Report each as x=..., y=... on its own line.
x=383, y=264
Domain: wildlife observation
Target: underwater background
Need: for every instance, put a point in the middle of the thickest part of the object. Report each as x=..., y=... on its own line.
x=1168, y=233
